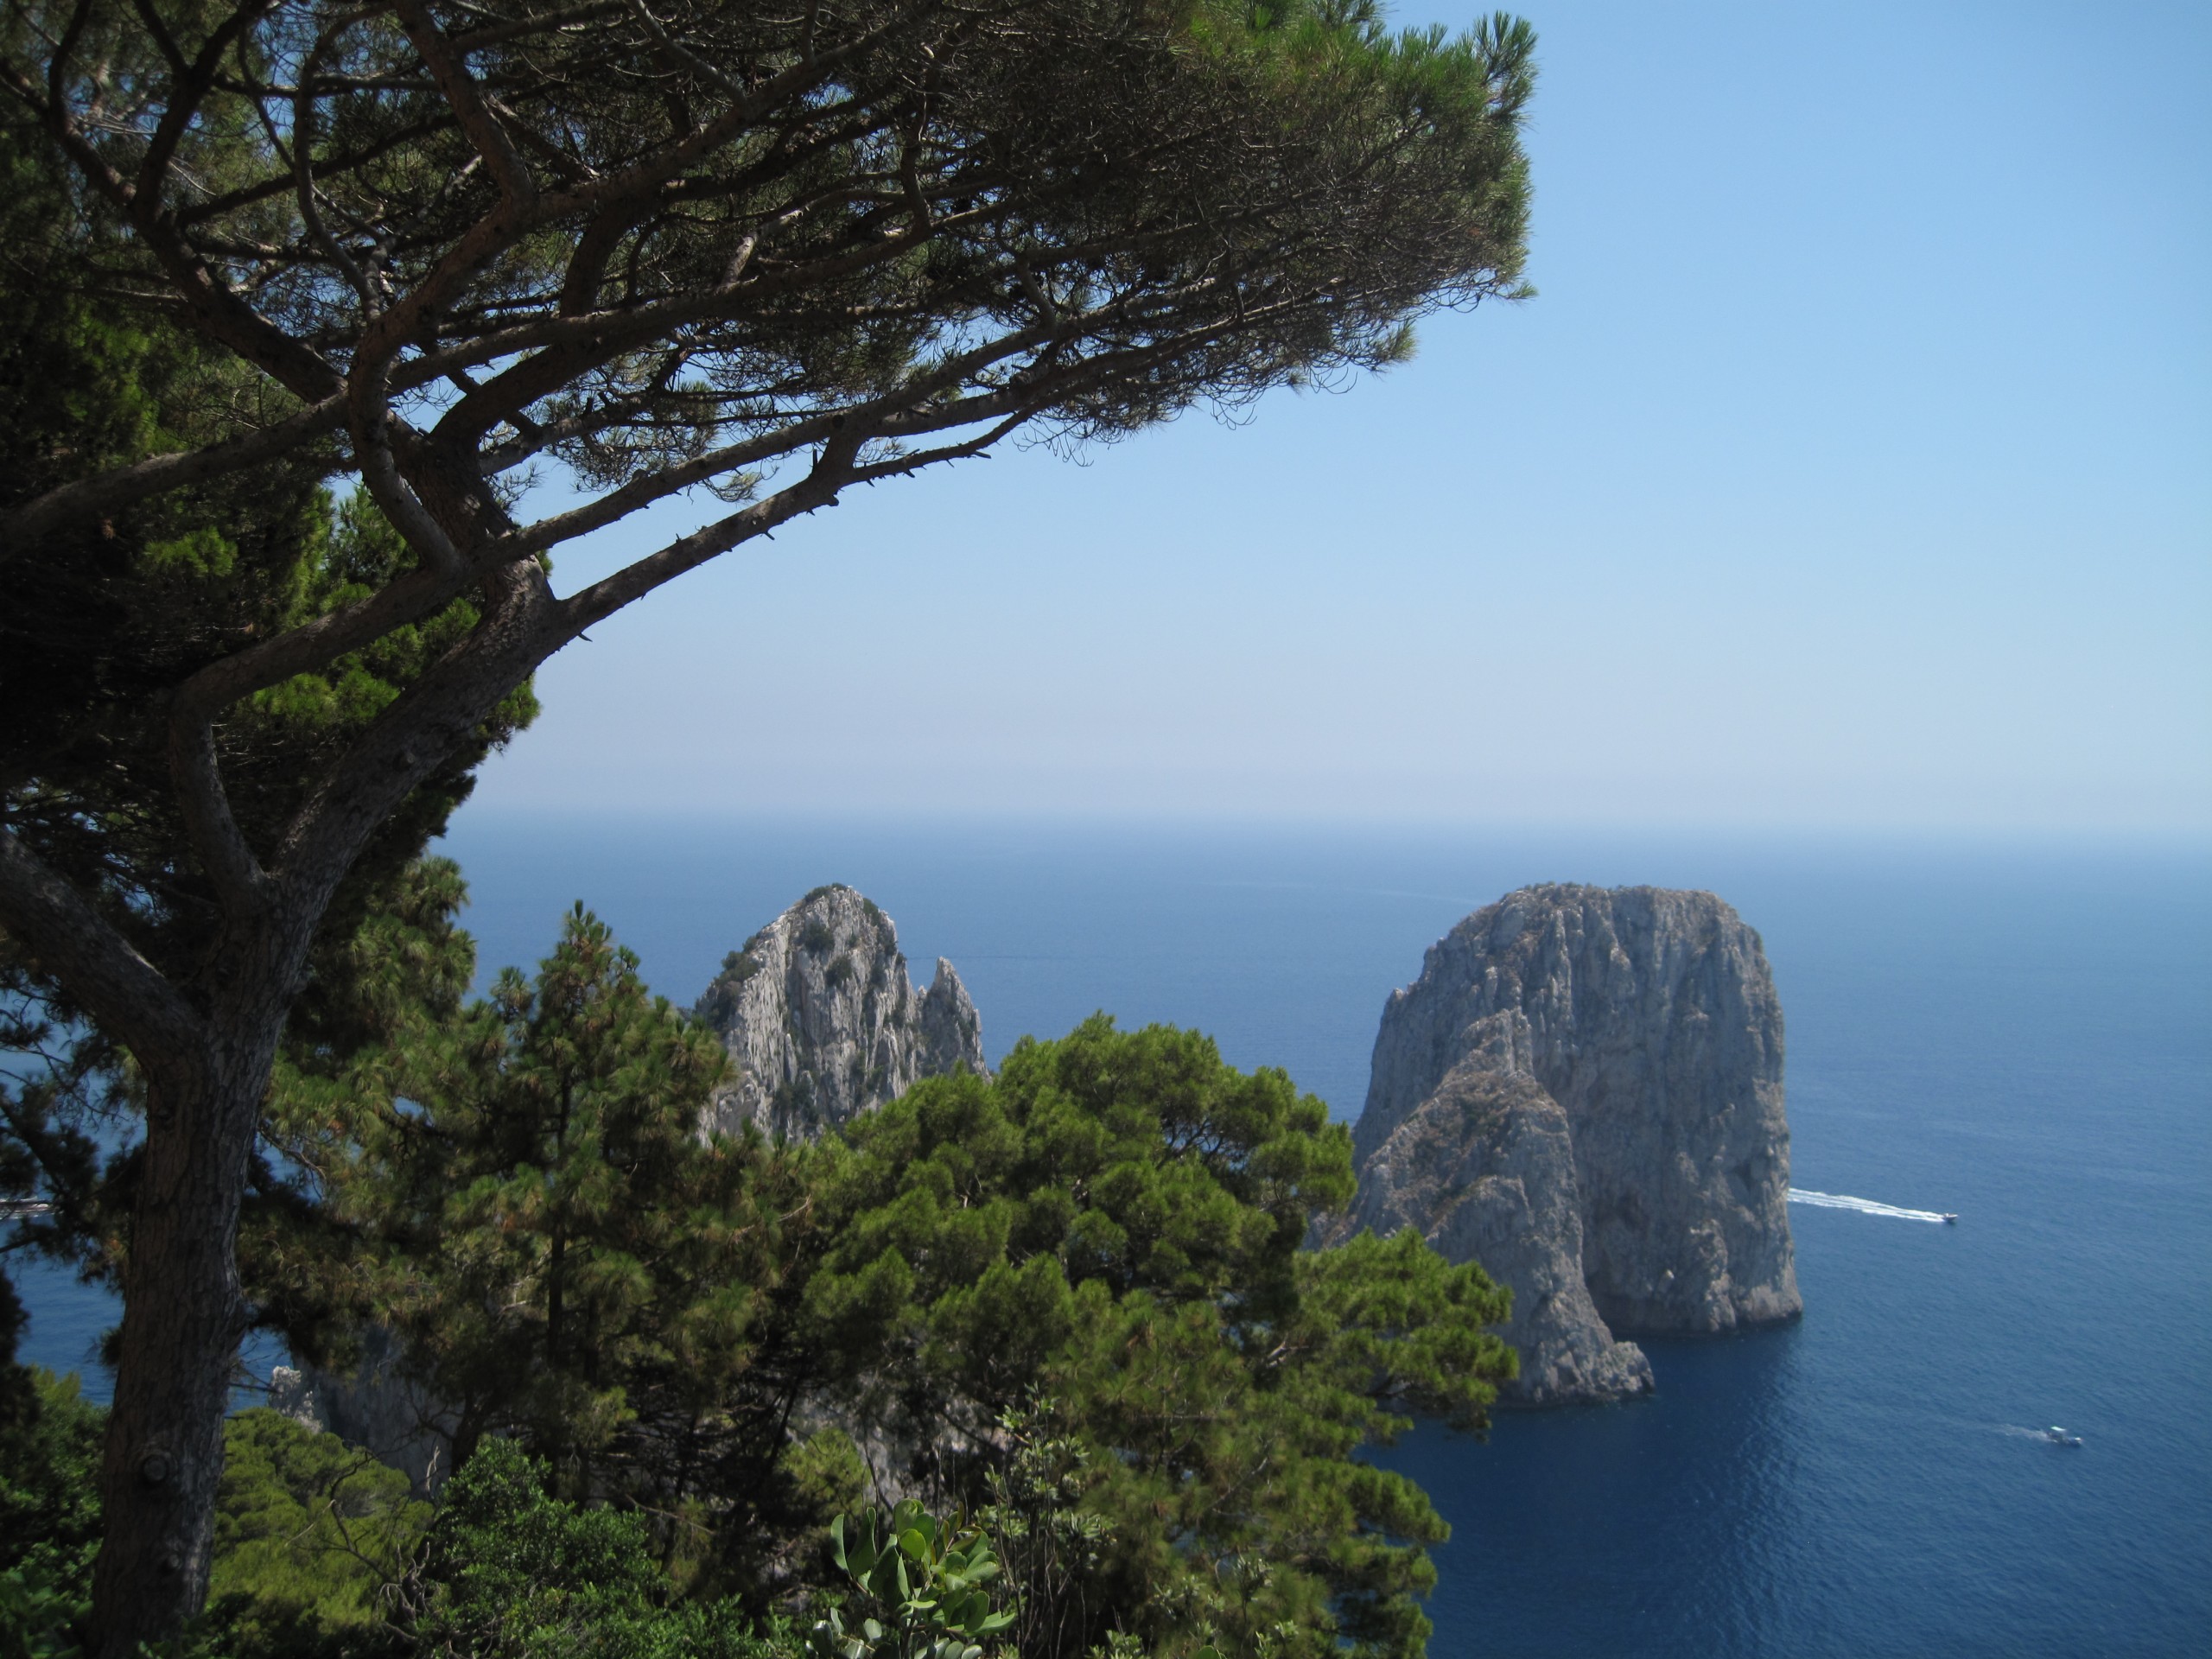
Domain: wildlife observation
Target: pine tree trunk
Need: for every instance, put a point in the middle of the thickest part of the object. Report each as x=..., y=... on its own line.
x=183, y=1316
x=183, y=1308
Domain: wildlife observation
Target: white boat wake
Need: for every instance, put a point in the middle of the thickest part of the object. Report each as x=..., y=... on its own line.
x=1864, y=1206
x=2051, y=1436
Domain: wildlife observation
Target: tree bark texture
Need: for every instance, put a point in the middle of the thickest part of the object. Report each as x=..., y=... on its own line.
x=183, y=1316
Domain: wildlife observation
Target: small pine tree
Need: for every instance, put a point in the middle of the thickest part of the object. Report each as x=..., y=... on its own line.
x=566, y=1257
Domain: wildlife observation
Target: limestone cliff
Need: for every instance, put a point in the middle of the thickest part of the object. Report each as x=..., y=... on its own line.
x=821, y=1023
x=1647, y=1022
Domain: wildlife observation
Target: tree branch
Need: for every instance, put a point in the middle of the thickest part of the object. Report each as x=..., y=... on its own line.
x=900, y=465
x=857, y=419
x=683, y=55
x=380, y=474
x=75, y=944
x=633, y=581
x=450, y=70
x=278, y=183
x=190, y=86
x=240, y=882
x=106, y=493
x=302, y=148
x=419, y=732
x=314, y=645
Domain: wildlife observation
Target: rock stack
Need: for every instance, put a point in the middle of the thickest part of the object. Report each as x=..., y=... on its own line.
x=1583, y=1093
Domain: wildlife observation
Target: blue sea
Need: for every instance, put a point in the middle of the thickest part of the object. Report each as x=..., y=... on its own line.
x=2020, y=1034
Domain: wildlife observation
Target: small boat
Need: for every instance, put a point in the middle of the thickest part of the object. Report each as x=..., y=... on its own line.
x=1949, y=1220
x=2058, y=1436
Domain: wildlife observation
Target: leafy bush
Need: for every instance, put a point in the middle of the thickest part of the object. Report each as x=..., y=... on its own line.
x=49, y=1502
x=49, y=1475
x=925, y=1581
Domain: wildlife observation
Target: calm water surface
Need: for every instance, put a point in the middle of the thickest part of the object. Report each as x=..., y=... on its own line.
x=2022, y=1037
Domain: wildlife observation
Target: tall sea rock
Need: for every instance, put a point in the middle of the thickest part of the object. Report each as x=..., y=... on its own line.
x=821, y=1023
x=1583, y=1091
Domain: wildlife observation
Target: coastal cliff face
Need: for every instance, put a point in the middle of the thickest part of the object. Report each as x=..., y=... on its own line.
x=1647, y=1022
x=821, y=1023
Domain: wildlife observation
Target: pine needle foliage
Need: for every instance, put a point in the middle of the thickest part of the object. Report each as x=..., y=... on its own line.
x=1105, y=1241
x=565, y=1258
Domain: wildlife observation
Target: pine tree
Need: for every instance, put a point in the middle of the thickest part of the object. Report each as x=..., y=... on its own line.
x=1089, y=1272
x=763, y=256
x=562, y=1256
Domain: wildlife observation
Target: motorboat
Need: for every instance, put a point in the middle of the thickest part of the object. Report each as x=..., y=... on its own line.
x=1949, y=1220
x=2058, y=1436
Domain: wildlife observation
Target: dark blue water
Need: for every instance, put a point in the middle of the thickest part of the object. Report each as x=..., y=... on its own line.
x=2022, y=1036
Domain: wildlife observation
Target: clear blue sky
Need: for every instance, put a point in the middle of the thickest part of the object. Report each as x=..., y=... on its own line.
x=1854, y=469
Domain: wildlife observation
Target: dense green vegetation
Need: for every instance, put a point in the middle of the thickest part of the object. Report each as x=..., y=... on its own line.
x=322, y=1553
x=98, y=623
x=305, y=299
x=1071, y=1302
x=308, y=1532
x=49, y=1507
x=1099, y=1251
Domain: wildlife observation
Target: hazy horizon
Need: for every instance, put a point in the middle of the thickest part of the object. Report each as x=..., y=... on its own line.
x=2186, y=840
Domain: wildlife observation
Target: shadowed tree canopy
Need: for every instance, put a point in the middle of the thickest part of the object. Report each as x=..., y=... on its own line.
x=750, y=255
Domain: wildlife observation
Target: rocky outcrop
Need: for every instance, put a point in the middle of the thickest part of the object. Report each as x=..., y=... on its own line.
x=376, y=1407
x=1585, y=1084
x=821, y=1023
x=1484, y=1169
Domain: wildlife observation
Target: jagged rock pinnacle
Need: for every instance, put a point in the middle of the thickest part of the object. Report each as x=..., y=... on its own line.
x=821, y=1023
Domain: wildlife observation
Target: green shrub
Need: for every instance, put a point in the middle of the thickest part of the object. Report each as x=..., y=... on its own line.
x=922, y=1588
x=49, y=1475
x=514, y=1572
x=49, y=1506
x=40, y=1610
